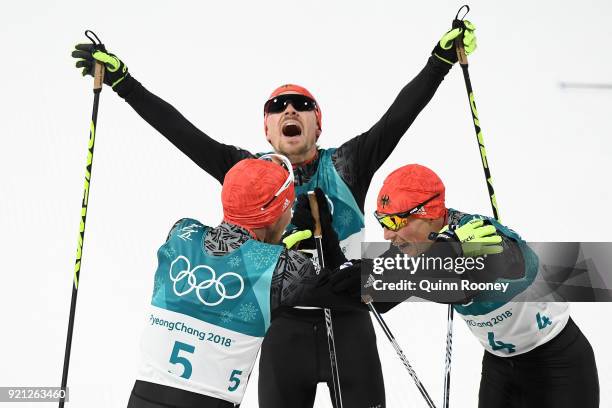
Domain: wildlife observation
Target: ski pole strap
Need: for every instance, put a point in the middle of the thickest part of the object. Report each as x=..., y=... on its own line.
x=465, y=6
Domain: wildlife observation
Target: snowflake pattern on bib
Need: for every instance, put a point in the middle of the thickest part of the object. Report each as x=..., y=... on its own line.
x=235, y=261
x=226, y=316
x=345, y=218
x=262, y=257
x=248, y=312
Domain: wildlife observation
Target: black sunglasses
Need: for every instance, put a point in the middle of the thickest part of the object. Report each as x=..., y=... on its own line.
x=299, y=102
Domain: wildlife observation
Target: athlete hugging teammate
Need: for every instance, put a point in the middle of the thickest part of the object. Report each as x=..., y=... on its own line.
x=215, y=290
x=535, y=355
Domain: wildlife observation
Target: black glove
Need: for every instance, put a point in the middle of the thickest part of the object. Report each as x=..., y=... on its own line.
x=302, y=220
x=115, y=70
x=324, y=295
x=347, y=278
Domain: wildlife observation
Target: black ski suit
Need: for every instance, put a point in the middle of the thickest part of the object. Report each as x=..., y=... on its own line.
x=294, y=355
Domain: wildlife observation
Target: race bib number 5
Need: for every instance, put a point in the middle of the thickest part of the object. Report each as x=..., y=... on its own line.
x=180, y=357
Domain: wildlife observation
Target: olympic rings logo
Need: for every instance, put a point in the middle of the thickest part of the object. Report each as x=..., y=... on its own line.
x=188, y=275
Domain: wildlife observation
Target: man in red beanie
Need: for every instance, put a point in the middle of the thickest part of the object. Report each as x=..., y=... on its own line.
x=535, y=355
x=293, y=124
x=216, y=289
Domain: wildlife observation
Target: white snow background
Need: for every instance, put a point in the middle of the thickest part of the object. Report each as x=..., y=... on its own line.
x=549, y=151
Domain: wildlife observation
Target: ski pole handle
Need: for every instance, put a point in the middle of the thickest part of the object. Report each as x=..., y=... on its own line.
x=458, y=23
x=98, y=66
x=461, y=55
x=98, y=76
x=314, y=210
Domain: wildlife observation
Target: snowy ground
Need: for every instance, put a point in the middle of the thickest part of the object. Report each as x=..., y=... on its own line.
x=549, y=150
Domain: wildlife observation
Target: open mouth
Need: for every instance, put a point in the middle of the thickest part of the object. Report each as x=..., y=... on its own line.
x=291, y=129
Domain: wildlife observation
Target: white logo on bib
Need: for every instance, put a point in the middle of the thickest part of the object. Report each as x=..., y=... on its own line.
x=190, y=275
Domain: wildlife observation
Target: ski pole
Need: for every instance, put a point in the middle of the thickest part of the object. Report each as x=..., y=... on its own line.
x=451, y=311
x=368, y=301
x=448, y=355
x=463, y=62
x=331, y=344
x=97, y=88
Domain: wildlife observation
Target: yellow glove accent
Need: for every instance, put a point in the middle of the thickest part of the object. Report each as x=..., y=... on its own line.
x=291, y=240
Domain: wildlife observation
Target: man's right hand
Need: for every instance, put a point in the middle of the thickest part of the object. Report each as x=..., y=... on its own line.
x=302, y=220
x=476, y=237
x=87, y=54
x=346, y=278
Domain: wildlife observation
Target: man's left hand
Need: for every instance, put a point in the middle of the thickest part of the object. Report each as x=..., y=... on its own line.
x=445, y=48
